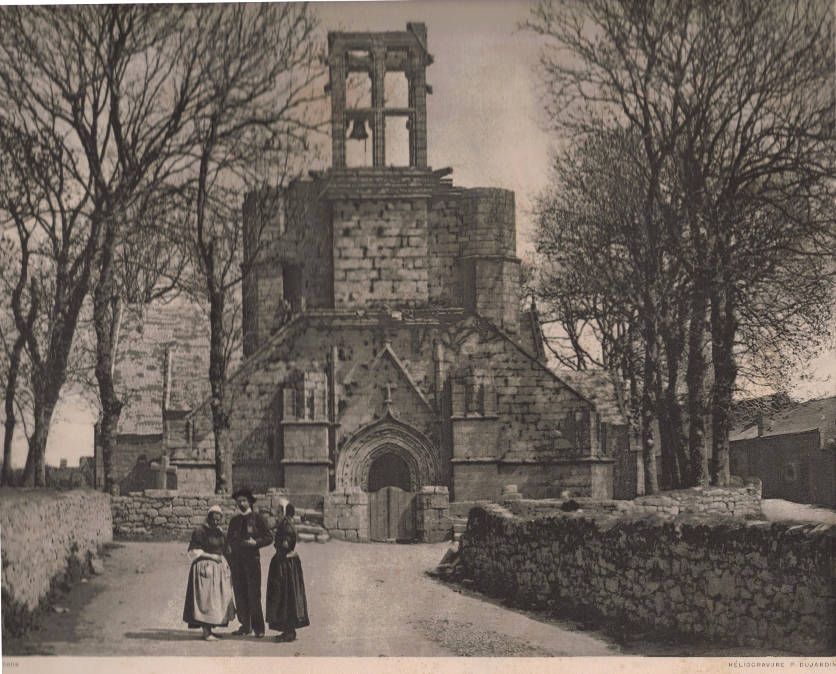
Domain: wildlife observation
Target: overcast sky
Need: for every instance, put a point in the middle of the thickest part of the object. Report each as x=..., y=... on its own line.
x=484, y=121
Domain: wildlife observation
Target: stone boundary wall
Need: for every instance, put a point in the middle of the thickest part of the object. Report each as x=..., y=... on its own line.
x=735, y=501
x=749, y=583
x=41, y=530
x=433, y=514
x=346, y=515
x=156, y=512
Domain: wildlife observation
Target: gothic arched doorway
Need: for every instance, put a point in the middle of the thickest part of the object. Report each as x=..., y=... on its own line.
x=392, y=461
x=389, y=470
x=392, y=438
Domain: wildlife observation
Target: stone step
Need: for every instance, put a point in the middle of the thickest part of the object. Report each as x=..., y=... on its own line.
x=312, y=516
x=304, y=528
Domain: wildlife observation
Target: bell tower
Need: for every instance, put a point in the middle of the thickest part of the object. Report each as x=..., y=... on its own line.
x=378, y=54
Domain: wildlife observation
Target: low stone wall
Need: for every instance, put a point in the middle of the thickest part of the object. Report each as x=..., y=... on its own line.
x=735, y=501
x=41, y=531
x=346, y=515
x=726, y=579
x=159, y=512
x=433, y=514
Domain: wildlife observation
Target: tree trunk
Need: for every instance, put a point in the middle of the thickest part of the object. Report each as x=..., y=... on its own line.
x=106, y=318
x=695, y=377
x=34, y=474
x=670, y=413
x=723, y=329
x=11, y=389
x=649, y=385
x=668, y=474
x=220, y=413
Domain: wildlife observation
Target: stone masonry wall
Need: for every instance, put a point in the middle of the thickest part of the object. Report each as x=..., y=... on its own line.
x=443, y=249
x=534, y=410
x=157, y=512
x=380, y=252
x=734, y=501
x=346, y=515
x=433, y=514
x=749, y=583
x=41, y=529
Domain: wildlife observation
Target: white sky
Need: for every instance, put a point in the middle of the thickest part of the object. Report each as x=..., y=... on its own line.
x=483, y=121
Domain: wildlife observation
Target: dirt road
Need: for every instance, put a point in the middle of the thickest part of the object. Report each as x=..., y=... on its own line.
x=364, y=600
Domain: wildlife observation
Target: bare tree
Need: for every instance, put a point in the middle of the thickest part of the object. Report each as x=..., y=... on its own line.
x=260, y=65
x=593, y=277
x=733, y=103
x=132, y=93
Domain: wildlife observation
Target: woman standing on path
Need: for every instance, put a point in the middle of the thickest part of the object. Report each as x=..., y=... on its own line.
x=209, y=591
x=287, y=607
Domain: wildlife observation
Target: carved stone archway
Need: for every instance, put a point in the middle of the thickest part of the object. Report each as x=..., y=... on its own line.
x=386, y=436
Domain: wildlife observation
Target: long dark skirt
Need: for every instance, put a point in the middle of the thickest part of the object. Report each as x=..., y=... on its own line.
x=287, y=607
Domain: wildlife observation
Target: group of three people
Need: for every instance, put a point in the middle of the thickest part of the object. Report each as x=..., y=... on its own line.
x=229, y=566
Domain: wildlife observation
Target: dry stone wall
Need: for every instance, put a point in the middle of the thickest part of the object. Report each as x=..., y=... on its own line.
x=41, y=530
x=735, y=501
x=750, y=583
x=158, y=512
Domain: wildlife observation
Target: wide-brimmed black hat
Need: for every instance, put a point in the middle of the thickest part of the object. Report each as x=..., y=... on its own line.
x=244, y=491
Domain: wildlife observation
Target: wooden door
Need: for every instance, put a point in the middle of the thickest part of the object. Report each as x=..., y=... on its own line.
x=391, y=514
x=379, y=514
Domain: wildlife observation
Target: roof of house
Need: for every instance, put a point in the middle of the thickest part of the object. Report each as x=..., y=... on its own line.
x=146, y=333
x=819, y=413
x=597, y=386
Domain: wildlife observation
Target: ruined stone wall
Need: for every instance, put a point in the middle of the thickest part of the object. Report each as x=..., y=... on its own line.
x=380, y=252
x=445, y=219
x=725, y=579
x=290, y=233
x=733, y=501
x=41, y=530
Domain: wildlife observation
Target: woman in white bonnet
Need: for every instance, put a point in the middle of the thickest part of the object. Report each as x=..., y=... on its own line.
x=287, y=606
x=209, y=598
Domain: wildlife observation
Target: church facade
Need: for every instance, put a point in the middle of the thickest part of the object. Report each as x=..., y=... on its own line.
x=384, y=340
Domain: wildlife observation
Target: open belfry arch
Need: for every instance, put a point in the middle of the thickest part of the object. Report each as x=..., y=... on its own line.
x=378, y=54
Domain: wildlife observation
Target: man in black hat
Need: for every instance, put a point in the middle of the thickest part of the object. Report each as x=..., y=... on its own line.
x=248, y=531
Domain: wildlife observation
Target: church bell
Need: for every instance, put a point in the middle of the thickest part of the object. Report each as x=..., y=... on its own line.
x=358, y=131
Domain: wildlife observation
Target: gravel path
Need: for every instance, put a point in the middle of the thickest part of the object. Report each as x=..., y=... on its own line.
x=777, y=510
x=364, y=600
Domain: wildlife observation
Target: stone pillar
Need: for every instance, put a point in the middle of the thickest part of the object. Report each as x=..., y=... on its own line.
x=162, y=473
x=338, y=74
x=433, y=514
x=418, y=97
x=379, y=120
x=346, y=515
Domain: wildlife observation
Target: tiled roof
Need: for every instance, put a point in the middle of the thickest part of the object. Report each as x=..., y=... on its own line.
x=145, y=333
x=805, y=416
x=597, y=386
